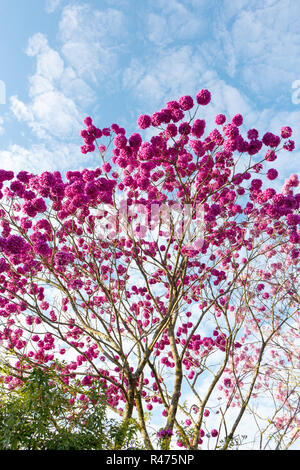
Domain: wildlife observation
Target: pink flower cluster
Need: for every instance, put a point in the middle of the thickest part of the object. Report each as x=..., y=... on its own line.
x=90, y=134
x=50, y=228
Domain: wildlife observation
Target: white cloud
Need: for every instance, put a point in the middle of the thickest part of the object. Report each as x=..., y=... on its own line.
x=39, y=85
x=50, y=113
x=93, y=64
x=52, y=5
x=90, y=24
x=20, y=110
x=38, y=42
x=49, y=64
x=258, y=44
x=55, y=113
x=59, y=88
x=41, y=157
x=172, y=73
x=72, y=85
x=174, y=22
x=158, y=29
x=91, y=40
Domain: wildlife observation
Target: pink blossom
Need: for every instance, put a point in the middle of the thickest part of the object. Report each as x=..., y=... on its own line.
x=203, y=97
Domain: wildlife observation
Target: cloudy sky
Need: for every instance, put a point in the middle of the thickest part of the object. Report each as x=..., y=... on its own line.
x=62, y=60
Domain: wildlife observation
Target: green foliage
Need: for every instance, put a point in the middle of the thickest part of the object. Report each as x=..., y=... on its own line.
x=40, y=416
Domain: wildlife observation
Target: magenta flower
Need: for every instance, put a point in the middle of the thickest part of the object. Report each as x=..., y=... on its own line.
x=220, y=119
x=286, y=132
x=272, y=174
x=203, y=97
x=144, y=121
x=237, y=120
x=186, y=102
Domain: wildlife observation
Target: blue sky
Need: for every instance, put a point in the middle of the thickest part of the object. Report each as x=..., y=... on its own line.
x=114, y=59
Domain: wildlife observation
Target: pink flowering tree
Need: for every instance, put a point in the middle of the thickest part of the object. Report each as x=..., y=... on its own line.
x=168, y=275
